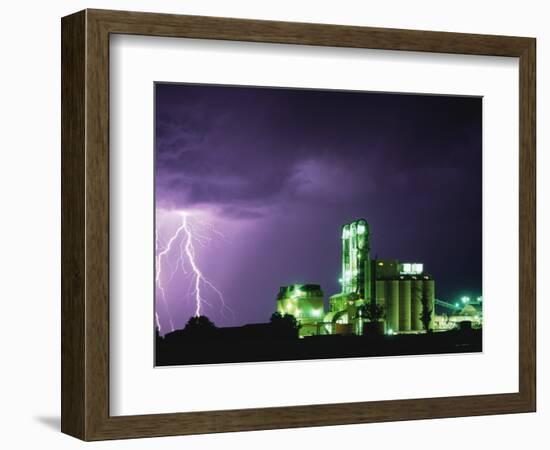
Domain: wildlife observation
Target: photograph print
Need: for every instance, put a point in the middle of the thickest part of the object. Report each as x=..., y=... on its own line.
x=303, y=224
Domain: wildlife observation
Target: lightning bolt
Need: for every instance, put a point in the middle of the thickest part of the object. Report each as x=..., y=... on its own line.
x=199, y=278
x=158, y=276
x=187, y=236
x=158, y=322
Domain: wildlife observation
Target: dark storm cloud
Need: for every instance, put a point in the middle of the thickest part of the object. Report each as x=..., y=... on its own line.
x=245, y=146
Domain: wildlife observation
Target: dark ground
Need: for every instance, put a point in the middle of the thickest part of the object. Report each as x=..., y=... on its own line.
x=178, y=349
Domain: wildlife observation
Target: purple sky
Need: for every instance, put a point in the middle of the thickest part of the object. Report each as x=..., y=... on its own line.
x=278, y=171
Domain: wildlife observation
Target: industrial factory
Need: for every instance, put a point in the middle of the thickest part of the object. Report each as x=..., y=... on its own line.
x=378, y=295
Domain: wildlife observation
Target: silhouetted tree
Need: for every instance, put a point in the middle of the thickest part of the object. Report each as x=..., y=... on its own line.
x=284, y=325
x=371, y=311
x=199, y=327
x=426, y=313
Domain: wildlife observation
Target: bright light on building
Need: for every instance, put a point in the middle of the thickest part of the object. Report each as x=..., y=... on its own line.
x=390, y=331
x=411, y=268
x=465, y=299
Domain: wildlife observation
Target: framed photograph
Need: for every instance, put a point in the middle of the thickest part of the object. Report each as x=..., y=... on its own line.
x=272, y=224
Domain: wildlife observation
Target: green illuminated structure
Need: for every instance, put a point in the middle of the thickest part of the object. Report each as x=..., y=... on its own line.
x=305, y=302
x=356, y=259
x=398, y=289
x=401, y=296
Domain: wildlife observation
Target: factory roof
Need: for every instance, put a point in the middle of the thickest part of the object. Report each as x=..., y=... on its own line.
x=404, y=277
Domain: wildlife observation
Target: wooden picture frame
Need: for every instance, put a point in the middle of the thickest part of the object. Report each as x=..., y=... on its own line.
x=85, y=224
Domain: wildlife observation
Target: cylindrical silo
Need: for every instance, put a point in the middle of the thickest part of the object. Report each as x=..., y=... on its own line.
x=416, y=305
x=392, y=305
x=404, y=305
x=429, y=293
x=380, y=293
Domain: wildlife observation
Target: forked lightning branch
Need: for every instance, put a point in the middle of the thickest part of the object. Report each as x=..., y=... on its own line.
x=182, y=242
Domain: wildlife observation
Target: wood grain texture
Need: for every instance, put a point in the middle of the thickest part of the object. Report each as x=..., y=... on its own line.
x=73, y=227
x=85, y=224
x=527, y=224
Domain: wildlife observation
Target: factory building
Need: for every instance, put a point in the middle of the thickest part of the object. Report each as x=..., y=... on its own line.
x=401, y=290
x=401, y=294
x=305, y=302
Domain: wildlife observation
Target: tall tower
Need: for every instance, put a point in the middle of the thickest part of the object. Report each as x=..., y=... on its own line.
x=356, y=259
